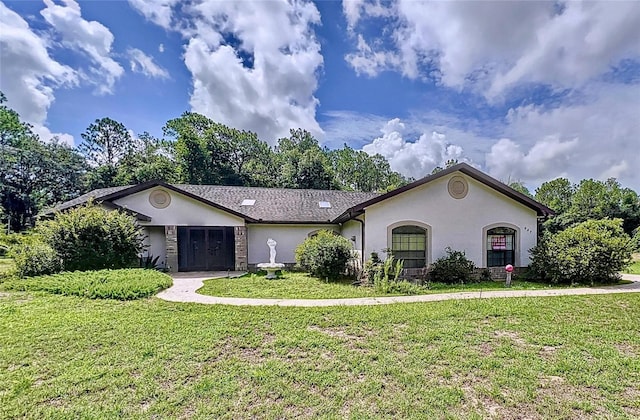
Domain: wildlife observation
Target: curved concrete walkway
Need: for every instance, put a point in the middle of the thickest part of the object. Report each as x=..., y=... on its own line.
x=185, y=286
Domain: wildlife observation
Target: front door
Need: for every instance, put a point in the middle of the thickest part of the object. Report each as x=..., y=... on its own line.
x=206, y=248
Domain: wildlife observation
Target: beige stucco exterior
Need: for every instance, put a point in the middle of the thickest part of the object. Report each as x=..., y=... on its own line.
x=457, y=223
x=182, y=211
x=288, y=238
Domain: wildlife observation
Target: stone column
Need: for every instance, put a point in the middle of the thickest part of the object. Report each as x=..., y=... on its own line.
x=171, y=245
x=240, y=236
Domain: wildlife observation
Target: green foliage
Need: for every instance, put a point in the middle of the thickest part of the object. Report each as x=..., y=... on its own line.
x=587, y=253
x=35, y=258
x=386, y=274
x=302, y=163
x=33, y=174
x=521, y=188
x=452, y=268
x=149, y=262
x=324, y=255
x=590, y=199
x=127, y=284
x=359, y=171
x=92, y=238
x=635, y=240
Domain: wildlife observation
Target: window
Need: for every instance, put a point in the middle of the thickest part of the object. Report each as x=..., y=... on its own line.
x=409, y=243
x=248, y=202
x=324, y=204
x=500, y=246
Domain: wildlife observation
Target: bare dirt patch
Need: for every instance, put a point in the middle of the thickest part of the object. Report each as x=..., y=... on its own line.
x=511, y=335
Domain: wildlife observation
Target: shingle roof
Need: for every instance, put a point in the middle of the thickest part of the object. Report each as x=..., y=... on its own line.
x=280, y=204
x=272, y=204
x=95, y=194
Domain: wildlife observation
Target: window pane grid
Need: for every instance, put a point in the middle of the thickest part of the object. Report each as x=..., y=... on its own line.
x=408, y=243
x=500, y=247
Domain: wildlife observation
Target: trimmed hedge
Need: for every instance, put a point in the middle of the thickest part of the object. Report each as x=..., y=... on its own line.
x=128, y=284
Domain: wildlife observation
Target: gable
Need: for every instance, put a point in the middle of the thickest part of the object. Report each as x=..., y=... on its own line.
x=178, y=209
x=445, y=201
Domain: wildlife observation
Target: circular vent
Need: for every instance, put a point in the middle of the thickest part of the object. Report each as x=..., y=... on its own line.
x=458, y=187
x=159, y=199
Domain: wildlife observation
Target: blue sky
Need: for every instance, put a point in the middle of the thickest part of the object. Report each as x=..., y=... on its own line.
x=526, y=91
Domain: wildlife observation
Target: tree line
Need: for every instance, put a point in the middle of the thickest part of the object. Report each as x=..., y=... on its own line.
x=194, y=149
x=35, y=175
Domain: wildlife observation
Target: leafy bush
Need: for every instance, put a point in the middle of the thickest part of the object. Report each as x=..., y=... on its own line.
x=35, y=258
x=126, y=284
x=589, y=252
x=325, y=255
x=92, y=238
x=635, y=240
x=383, y=273
x=452, y=268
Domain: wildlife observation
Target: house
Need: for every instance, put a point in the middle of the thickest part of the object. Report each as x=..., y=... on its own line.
x=210, y=227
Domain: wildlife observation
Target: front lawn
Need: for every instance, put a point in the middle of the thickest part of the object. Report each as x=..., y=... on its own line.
x=557, y=357
x=634, y=268
x=304, y=286
x=6, y=266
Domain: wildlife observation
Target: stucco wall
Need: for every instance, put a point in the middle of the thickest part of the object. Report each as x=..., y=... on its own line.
x=182, y=211
x=288, y=238
x=455, y=223
x=156, y=243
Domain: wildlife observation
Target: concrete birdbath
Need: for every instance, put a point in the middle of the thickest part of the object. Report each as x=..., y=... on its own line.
x=272, y=266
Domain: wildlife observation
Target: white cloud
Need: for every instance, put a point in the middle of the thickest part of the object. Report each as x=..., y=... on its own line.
x=494, y=46
x=413, y=158
x=161, y=48
x=29, y=75
x=142, y=63
x=157, y=11
x=90, y=37
x=254, y=65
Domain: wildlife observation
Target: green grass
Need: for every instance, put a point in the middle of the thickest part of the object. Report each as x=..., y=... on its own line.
x=6, y=266
x=556, y=357
x=303, y=286
x=634, y=268
x=103, y=284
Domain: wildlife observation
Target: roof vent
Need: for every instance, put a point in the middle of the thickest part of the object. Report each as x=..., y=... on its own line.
x=324, y=204
x=248, y=202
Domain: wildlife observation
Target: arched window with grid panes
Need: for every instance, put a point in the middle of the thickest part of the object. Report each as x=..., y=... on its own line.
x=409, y=243
x=501, y=242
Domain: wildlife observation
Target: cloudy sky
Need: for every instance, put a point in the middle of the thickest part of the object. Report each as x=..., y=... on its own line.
x=527, y=91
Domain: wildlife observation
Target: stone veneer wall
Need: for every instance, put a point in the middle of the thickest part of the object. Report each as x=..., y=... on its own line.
x=240, y=237
x=171, y=243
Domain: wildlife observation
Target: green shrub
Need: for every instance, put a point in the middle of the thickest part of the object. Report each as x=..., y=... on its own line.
x=325, y=255
x=126, y=284
x=452, y=268
x=635, y=240
x=35, y=258
x=92, y=238
x=386, y=274
x=589, y=252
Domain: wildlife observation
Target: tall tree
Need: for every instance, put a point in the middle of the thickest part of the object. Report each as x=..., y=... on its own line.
x=358, y=171
x=105, y=142
x=33, y=174
x=149, y=159
x=521, y=188
x=302, y=163
x=202, y=149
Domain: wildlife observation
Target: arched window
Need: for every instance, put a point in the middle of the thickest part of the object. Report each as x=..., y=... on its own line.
x=500, y=246
x=409, y=243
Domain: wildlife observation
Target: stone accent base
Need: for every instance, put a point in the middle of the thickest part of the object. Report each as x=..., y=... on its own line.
x=240, y=238
x=171, y=246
